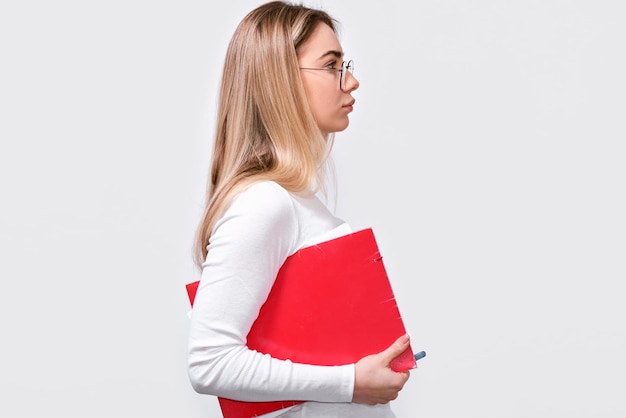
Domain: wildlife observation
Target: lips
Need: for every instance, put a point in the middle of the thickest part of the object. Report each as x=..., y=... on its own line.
x=349, y=105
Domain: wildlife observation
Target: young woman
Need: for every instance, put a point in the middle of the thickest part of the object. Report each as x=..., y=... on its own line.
x=286, y=89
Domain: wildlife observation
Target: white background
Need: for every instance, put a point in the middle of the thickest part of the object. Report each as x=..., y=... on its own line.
x=486, y=150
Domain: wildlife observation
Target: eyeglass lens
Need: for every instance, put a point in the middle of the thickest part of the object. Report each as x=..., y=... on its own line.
x=345, y=66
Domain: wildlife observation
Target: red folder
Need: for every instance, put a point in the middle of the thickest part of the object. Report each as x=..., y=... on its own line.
x=331, y=304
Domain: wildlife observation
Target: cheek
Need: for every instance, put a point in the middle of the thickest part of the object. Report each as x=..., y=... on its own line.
x=318, y=102
x=326, y=109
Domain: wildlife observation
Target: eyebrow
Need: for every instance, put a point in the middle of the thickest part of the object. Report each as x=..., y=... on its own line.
x=337, y=54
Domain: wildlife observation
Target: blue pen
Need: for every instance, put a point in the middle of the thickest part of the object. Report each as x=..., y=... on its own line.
x=420, y=355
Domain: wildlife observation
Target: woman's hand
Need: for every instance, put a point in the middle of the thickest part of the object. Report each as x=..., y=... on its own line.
x=374, y=381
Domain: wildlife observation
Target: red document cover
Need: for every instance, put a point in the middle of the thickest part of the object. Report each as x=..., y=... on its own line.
x=331, y=304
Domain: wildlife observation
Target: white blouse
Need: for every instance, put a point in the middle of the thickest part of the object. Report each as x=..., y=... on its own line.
x=262, y=227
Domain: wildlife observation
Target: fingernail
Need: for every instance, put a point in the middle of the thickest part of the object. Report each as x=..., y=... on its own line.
x=404, y=339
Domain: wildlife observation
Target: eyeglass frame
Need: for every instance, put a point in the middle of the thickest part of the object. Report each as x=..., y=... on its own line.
x=345, y=66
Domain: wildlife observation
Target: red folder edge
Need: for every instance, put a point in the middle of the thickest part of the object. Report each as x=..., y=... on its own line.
x=405, y=361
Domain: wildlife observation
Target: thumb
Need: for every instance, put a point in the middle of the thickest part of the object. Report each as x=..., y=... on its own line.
x=397, y=348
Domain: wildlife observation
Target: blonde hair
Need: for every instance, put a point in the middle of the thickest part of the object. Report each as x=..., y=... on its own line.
x=265, y=129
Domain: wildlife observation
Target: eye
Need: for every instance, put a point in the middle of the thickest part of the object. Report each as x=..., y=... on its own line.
x=332, y=65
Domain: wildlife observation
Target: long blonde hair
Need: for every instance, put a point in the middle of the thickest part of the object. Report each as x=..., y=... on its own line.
x=265, y=129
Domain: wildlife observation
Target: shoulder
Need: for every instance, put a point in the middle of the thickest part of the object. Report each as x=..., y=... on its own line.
x=263, y=190
x=266, y=197
x=262, y=211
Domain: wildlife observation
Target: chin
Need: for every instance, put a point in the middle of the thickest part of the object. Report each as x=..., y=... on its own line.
x=339, y=127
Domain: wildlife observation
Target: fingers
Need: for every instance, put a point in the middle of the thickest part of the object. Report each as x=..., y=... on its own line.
x=374, y=381
x=397, y=348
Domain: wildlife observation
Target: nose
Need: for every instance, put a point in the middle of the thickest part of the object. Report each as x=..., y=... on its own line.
x=350, y=82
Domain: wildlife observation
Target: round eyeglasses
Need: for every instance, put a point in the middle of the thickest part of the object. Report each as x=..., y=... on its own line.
x=345, y=66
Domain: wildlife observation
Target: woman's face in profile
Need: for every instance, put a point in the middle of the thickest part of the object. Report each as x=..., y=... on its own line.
x=330, y=104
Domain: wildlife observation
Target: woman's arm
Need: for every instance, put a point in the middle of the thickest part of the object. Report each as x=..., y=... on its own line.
x=249, y=245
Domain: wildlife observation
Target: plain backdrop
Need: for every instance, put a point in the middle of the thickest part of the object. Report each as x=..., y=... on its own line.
x=486, y=150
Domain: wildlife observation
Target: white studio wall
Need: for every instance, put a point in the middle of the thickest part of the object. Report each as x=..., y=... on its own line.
x=486, y=150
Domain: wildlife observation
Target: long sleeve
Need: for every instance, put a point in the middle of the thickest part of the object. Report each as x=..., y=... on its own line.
x=249, y=243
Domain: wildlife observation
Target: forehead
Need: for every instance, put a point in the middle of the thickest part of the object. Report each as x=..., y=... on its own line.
x=322, y=43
